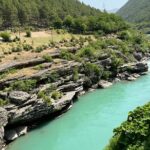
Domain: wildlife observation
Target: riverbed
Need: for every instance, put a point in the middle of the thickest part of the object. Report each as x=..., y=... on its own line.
x=89, y=124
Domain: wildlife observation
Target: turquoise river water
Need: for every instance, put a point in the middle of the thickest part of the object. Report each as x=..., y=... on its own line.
x=89, y=124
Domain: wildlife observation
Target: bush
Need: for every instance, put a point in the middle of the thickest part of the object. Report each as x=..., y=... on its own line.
x=28, y=33
x=75, y=75
x=44, y=97
x=106, y=75
x=56, y=95
x=116, y=63
x=125, y=35
x=3, y=102
x=133, y=134
x=53, y=77
x=47, y=58
x=92, y=70
x=27, y=47
x=66, y=55
x=39, y=49
x=87, y=52
x=25, y=85
x=17, y=49
x=5, y=36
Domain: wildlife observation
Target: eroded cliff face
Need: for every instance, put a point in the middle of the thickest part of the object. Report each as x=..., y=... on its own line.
x=3, y=123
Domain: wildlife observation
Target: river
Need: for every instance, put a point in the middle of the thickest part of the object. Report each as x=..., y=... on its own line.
x=89, y=124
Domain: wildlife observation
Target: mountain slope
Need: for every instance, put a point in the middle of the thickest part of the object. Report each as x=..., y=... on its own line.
x=14, y=12
x=136, y=11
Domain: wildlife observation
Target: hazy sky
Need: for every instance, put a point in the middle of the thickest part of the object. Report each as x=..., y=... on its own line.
x=108, y=4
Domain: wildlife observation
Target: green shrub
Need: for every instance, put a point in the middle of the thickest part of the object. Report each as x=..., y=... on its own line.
x=87, y=52
x=28, y=33
x=5, y=36
x=133, y=134
x=116, y=63
x=39, y=49
x=92, y=70
x=24, y=85
x=75, y=75
x=17, y=49
x=125, y=35
x=3, y=102
x=87, y=83
x=16, y=39
x=66, y=55
x=44, y=97
x=27, y=47
x=56, y=95
x=106, y=75
x=47, y=58
x=54, y=76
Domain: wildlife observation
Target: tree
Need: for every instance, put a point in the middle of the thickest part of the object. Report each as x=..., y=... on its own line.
x=58, y=23
x=68, y=22
x=80, y=26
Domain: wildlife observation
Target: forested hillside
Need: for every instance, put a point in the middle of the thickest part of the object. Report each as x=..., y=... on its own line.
x=13, y=12
x=68, y=14
x=134, y=133
x=136, y=11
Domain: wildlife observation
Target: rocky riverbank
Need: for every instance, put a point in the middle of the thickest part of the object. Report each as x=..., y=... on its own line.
x=25, y=109
x=42, y=88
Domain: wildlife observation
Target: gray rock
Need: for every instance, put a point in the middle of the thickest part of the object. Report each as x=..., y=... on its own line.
x=106, y=62
x=131, y=78
x=18, y=97
x=3, y=94
x=3, y=122
x=11, y=135
x=131, y=68
x=21, y=130
x=138, y=56
x=66, y=99
x=104, y=84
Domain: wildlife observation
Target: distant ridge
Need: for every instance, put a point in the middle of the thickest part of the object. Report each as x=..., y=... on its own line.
x=136, y=11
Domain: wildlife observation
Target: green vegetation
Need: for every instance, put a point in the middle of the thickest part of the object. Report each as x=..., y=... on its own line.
x=44, y=97
x=69, y=14
x=75, y=75
x=66, y=55
x=9, y=71
x=93, y=72
x=134, y=133
x=56, y=95
x=5, y=36
x=3, y=102
x=47, y=58
x=41, y=13
x=137, y=11
x=28, y=33
x=23, y=85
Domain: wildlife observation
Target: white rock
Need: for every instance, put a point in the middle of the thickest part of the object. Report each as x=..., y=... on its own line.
x=104, y=84
x=21, y=130
x=11, y=135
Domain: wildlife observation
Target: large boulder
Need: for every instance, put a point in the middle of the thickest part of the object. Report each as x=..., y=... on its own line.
x=11, y=135
x=138, y=56
x=106, y=62
x=36, y=109
x=138, y=67
x=18, y=97
x=104, y=84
